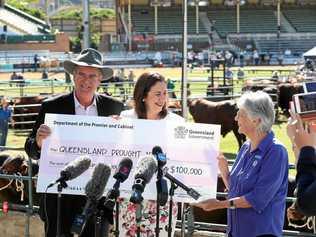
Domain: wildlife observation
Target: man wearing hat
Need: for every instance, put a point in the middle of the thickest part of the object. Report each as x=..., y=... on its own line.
x=88, y=71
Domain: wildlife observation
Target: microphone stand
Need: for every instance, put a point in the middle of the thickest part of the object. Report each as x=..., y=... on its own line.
x=113, y=194
x=190, y=191
x=101, y=224
x=98, y=223
x=171, y=194
x=117, y=211
x=157, y=229
x=139, y=208
x=159, y=187
x=62, y=184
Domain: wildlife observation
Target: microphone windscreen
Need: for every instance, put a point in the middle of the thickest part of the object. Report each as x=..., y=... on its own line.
x=95, y=187
x=123, y=169
x=156, y=150
x=146, y=168
x=77, y=167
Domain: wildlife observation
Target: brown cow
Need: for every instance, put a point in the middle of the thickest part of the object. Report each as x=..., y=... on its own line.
x=223, y=113
x=12, y=163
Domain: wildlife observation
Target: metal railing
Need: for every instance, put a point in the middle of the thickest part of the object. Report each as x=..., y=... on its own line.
x=30, y=209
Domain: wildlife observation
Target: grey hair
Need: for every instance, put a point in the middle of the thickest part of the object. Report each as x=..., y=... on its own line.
x=258, y=105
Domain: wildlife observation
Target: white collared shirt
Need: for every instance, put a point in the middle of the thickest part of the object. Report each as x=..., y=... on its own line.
x=91, y=110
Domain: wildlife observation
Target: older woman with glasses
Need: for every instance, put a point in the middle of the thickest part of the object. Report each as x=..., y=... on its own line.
x=257, y=182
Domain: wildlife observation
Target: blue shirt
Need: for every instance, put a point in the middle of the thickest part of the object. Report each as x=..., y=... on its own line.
x=5, y=114
x=261, y=176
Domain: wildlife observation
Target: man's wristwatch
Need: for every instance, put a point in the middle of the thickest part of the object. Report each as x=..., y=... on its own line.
x=231, y=204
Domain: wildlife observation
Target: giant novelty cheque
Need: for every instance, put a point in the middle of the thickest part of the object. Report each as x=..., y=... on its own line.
x=191, y=151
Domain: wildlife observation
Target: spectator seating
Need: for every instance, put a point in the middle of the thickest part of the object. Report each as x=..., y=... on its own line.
x=302, y=19
x=169, y=21
x=252, y=20
x=297, y=47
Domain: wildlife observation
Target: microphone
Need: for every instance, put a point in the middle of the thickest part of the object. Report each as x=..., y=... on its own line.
x=145, y=170
x=121, y=174
x=123, y=170
x=190, y=191
x=161, y=183
x=160, y=156
x=73, y=169
x=94, y=190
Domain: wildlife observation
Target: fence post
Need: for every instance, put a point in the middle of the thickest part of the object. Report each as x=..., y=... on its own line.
x=52, y=86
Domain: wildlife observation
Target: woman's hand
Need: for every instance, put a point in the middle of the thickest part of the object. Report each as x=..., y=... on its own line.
x=292, y=125
x=223, y=164
x=208, y=205
x=299, y=135
x=293, y=213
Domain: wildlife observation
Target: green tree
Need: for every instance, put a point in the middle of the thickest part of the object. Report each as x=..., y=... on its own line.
x=75, y=13
x=24, y=5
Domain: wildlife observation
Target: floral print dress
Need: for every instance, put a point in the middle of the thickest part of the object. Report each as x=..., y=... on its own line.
x=127, y=219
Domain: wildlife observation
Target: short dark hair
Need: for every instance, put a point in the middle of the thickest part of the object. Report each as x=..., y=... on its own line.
x=143, y=85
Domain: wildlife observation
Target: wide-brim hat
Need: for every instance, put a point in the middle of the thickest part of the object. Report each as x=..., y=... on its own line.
x=89, y=58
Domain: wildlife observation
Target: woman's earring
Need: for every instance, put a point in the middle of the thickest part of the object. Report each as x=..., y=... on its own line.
x=143, y=100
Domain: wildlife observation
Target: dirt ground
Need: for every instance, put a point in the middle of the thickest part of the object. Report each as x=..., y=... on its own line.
x=13, y=224
x=4, y=76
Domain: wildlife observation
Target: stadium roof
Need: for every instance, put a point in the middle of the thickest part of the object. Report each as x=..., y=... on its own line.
x=310, y=53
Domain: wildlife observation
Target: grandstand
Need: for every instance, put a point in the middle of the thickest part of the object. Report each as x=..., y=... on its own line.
x=170, y=21
x=217, y=22
x=210, y=26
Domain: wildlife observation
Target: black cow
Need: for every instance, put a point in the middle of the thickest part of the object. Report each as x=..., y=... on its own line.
x=286, y=91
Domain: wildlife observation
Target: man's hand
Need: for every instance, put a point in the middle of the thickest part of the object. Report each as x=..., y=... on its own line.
x=43, y=132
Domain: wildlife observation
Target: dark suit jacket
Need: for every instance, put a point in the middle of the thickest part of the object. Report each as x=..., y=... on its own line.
x=70, y=205
x=65, y=104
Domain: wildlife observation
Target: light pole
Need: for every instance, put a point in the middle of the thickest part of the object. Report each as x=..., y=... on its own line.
x=156, y=4
x=238, y=16
x=211, y=36
x=197, y=15
x=279, y=24
x=47, y=12
x=129, y=26
x=86, y=24
x=238, y=4
x=184, y=79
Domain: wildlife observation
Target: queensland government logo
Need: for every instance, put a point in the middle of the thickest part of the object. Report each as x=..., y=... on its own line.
x=180, y=132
